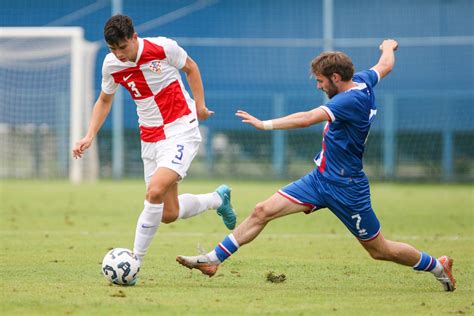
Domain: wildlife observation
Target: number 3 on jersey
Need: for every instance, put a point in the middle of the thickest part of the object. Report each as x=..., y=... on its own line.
x=133, y=88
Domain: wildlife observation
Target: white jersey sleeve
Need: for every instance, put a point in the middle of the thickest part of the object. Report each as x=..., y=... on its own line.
x=175, y=54
x=109, y=86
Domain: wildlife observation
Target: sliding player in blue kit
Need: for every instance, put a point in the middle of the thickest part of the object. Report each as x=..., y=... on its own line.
x=338, y=182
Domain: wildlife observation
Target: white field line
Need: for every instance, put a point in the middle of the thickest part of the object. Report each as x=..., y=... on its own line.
x=319, y=42
x=80, y=13
x=175, y=15
x=223, y=234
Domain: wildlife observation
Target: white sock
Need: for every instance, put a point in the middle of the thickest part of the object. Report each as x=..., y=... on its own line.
x=193, y=204
x=213, y=257
x=147, y=226
x=438, y=269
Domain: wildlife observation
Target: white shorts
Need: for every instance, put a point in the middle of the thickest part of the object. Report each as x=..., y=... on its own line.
x=175, y=153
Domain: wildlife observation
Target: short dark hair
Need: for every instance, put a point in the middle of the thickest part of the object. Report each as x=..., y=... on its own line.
x=117, y=29
x=328, y=63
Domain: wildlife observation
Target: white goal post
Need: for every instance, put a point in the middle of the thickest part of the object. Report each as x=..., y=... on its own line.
x=46, y=97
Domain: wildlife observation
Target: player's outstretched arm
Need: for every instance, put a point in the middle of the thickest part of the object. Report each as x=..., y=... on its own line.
x=295, y=120
x=193, y=75
x=387, y=59
x=99, y=113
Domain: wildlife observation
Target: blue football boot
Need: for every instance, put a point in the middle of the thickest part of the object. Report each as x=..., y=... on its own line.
x=226, y=210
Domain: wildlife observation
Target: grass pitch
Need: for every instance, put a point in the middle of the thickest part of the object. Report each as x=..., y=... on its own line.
x=54, y=235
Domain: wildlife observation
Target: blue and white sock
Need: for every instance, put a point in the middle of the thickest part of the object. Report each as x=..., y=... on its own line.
x=428, y=263
x=225, y=249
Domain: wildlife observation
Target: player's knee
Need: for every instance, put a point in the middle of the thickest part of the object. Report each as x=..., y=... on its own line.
x=377, y=254
x=168, y=218
x=155, y=195
x=261, y=213
x=386, y=253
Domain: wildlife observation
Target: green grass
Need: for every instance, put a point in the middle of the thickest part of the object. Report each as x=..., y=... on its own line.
x=54, y=235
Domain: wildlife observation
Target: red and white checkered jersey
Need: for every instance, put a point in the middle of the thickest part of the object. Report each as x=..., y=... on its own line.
x=164, y=107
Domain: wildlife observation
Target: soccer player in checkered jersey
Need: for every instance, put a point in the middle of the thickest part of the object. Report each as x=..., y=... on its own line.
x=168, y=120
x=338, y=181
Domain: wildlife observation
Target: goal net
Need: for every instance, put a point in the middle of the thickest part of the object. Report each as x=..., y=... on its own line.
x=46, y=96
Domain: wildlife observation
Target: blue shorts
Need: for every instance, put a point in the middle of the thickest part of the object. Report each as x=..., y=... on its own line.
x=349, y=202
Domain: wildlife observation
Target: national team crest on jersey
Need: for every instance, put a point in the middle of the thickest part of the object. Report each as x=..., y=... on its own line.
x=155, y=66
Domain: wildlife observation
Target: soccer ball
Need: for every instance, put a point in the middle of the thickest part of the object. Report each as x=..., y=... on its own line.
x=120, y=266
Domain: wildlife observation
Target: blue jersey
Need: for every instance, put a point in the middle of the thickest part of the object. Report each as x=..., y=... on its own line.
x=351, y=113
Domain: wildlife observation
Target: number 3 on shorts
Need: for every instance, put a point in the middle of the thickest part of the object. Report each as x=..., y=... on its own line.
x=179, y=155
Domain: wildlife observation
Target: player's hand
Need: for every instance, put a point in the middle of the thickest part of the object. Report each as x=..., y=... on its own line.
x=81, y=146
x=389, y=44
x=203, y=113
x=249, y=119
